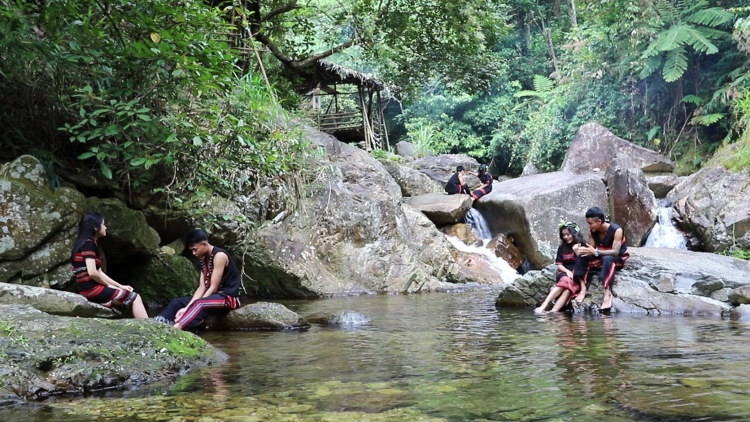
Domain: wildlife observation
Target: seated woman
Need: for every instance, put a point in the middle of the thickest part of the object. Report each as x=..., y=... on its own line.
x=456, y=183
x=567, y=254
x=486, y=178
x=92, y=283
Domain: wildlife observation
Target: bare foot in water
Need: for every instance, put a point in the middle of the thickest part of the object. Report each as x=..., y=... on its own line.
x=539, y=310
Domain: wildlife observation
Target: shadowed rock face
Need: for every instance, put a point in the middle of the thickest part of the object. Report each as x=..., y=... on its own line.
x=660, y=281
x=530, y=209
x=631, y=202
x=595, y=147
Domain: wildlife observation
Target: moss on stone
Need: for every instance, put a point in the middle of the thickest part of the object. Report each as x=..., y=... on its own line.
x=160, y=279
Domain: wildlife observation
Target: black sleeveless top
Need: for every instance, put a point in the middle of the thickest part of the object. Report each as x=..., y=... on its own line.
x=453, y=184
x=230, y=279
x=609, y=239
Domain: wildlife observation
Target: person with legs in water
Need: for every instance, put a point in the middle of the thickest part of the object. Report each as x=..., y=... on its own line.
x=218, y=288
x=456, y=183
x=565, y=289
x=92, y=282
x=607, y=251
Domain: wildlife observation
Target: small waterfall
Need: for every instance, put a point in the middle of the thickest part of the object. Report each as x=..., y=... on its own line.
x=664, y=234
x=475, y=219
x=503, y=269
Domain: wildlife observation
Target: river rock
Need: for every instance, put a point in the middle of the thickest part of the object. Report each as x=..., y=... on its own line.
x=46, y=355
x=661, y=185
x=345, y=318
x=504, y=248
x=594, y=146
x=352, y=235
x=440, y=168
x=37, y=225
x=159, y=279
x=741, y=312
x=531, y=208
x=631, y=202
x=411, y=181
x=128, y=233
x=54, y=302
x=464, y=232
x=714, y=204
x=476, y=268
x=739, y=295
x=258, y=316
x=640, y=287
x=442, y=209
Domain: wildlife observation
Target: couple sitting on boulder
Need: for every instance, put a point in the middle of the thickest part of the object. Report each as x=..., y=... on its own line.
x=575, y=257
x=217, y=292
x=456, y=183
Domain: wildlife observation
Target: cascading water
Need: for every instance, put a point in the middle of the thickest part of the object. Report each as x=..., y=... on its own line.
x=664, y=234
x=474, y=217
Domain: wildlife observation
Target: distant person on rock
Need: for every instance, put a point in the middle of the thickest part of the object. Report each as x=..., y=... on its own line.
x=92, y=283
x=607, y=251
x=486, y=178
x=218, y=288
x=456, y=183
x=567, y=254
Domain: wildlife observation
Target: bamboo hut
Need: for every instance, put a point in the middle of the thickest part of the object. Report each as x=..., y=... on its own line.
x=326, y=84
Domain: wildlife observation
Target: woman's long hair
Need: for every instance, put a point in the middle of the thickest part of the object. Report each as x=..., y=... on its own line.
x=575, y=232
x=87, y=229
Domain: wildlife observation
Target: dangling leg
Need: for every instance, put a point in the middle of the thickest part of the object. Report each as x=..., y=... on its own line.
x=554, y=293
x=562, y=301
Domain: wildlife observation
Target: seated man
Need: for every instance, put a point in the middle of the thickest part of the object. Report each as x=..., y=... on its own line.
x=456, y=183
x=608, y=253
x=217, y=291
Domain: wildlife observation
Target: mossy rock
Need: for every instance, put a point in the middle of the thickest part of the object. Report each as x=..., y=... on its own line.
x=159, y=279
x=128, y=233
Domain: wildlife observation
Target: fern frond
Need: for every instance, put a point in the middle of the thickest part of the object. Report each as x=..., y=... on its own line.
x=675, y=65
x=714, y=34
x=649, y=66
x=699, y=42
x=674, y=37
x=522, y=94
x=692, y=99
x=713, y=17
x=707, y=119
x=543, y=84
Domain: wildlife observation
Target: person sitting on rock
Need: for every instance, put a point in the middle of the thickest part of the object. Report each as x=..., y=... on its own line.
x=608, y=253
x=217, y=291
x=456, y=183
x=92, y=282
x=486, y=178
x=565, y=289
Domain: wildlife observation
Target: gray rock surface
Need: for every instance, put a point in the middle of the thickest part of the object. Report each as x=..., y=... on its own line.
x=659, y=281
x=440, y=168
x=661, y=185
x=54, y=302
x=631, y=203
x=411, y=181
x=258, y=316
x=128, y=233
x=595, y=146
x=343, y=318
x=530, y=209
x=442, y=209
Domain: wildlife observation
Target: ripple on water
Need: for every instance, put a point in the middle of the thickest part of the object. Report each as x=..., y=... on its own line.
x=452, y=357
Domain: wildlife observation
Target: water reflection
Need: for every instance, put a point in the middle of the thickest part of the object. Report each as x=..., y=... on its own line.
x=451, y=357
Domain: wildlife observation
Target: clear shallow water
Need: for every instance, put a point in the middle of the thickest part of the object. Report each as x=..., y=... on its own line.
x=451, y=357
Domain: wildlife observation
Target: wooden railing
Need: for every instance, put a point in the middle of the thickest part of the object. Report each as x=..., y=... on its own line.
x=335, y=122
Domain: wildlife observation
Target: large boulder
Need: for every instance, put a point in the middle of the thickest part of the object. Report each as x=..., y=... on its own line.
x=464, y=232
x=37, y=225
x=128, y=233
x=440, y=168
x=714, y=205
x=661, y=185
x=159, y=279
x=531, y=208
x=352, y=235
x=594, y=146
x=411, y=181
x=46, y=355
x=442, y=209
x=661, y=281
x=258, y=316
x=631, y=202
x=54, y=302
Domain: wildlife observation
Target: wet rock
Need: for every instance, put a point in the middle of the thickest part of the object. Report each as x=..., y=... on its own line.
x=127, y=231
x=45, y=355
x=741, y=312
x=464, y=232
x=707, y=287
x=411, y=181
x=739, y=296
x=54, y=302
x=347, y=317
x=475, y=268
x=505, y=249
x=258, y=316
x=631, y=202
x=442, y=209
x=530, y=209
x=167, y=277
x=594, y=146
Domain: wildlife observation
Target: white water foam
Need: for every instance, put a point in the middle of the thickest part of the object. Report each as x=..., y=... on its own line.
x=664, y=234
x=506, y=273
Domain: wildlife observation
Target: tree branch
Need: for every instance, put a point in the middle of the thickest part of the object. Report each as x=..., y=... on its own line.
x=297, y=64
x=283, y=9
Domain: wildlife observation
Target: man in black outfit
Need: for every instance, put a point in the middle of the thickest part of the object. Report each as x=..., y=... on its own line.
x=456, y=183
